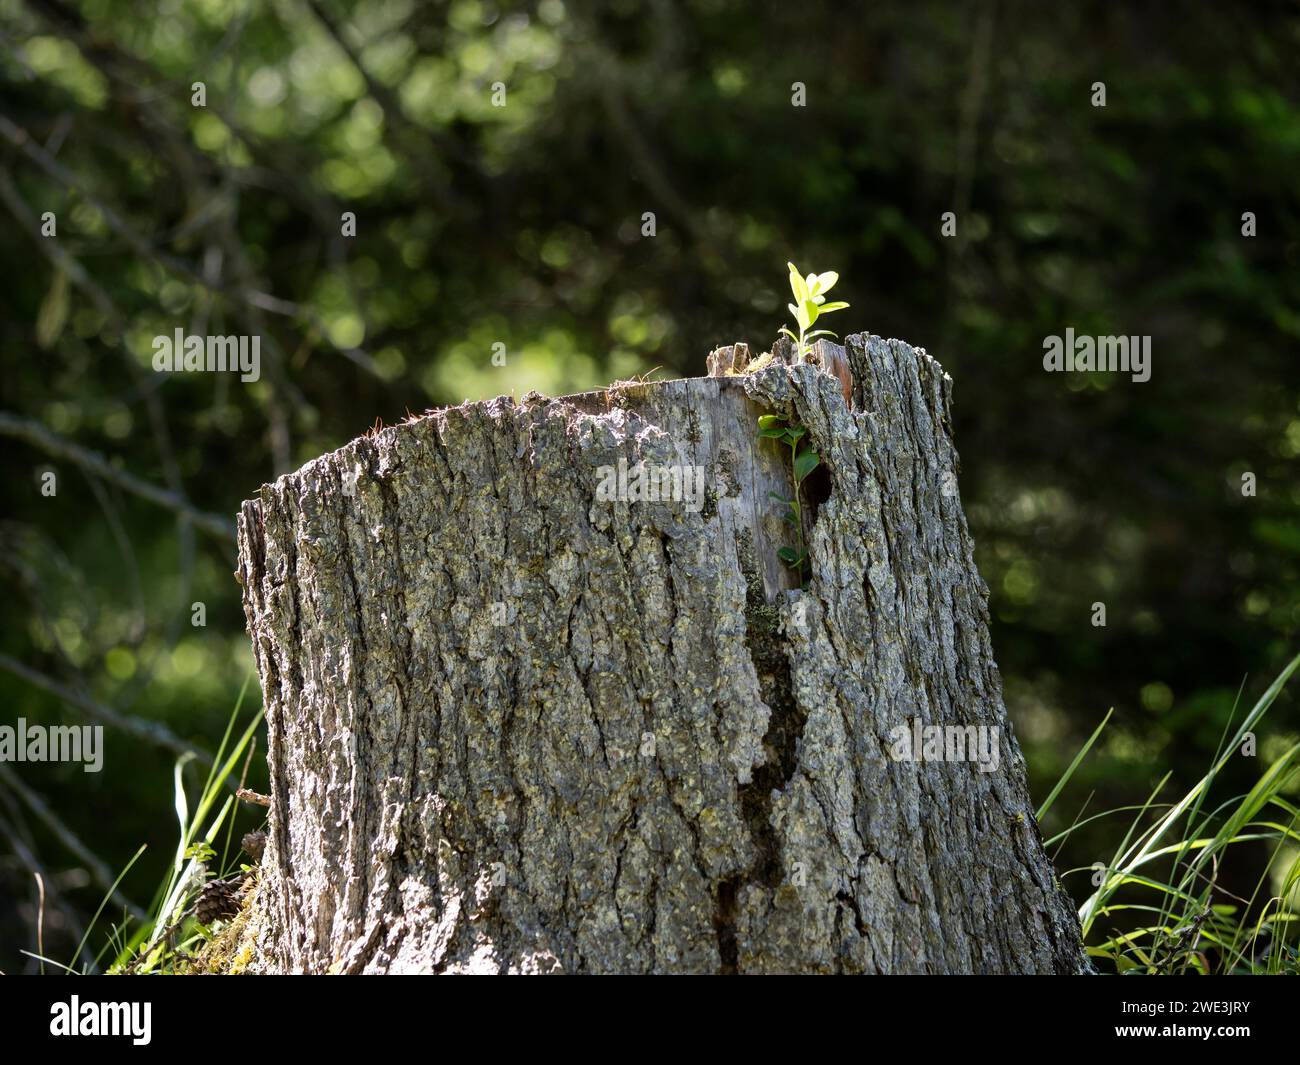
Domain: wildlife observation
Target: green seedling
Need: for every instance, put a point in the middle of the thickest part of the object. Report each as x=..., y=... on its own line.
x=803, y=460
x=810, y=304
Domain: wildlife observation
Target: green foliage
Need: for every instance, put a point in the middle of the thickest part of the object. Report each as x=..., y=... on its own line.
x=200, y=852
x=1168, y=871
x=803, y=461
x=809, y=305
x=167, y=941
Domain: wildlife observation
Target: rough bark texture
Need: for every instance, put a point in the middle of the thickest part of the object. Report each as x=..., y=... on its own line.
x=654, y=754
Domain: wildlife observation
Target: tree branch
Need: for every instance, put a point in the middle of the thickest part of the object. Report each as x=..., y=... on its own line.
x=154, y=731
x=51, y=443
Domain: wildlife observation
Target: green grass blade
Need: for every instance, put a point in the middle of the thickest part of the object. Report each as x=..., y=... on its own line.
x=104, y=902
x=1065, y=779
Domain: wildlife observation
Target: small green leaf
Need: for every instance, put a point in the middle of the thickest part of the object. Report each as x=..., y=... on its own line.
x=796, y=431
x=767, y=421
x=772, y=434
x=788, y=556
x=811, y=311
x=826, y=308
x=797, y=284
x=777, y=497
x=825, y=282
x=790, y=521
x=805, y=464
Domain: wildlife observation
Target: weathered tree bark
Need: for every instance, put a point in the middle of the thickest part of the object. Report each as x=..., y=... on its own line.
x=513, y=727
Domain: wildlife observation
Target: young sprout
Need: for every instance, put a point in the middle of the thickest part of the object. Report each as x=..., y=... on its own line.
x=809, y=304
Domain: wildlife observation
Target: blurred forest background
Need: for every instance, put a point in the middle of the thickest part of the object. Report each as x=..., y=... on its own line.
x=521, y=225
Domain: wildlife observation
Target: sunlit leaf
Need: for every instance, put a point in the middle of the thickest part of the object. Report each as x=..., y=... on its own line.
x=797, y=284
x=805, y=464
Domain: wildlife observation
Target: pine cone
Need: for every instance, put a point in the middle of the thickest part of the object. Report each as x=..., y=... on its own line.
x=254, y=844
x=218, y=900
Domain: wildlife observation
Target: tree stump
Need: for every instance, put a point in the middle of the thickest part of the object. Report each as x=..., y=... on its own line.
x=517, y=726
